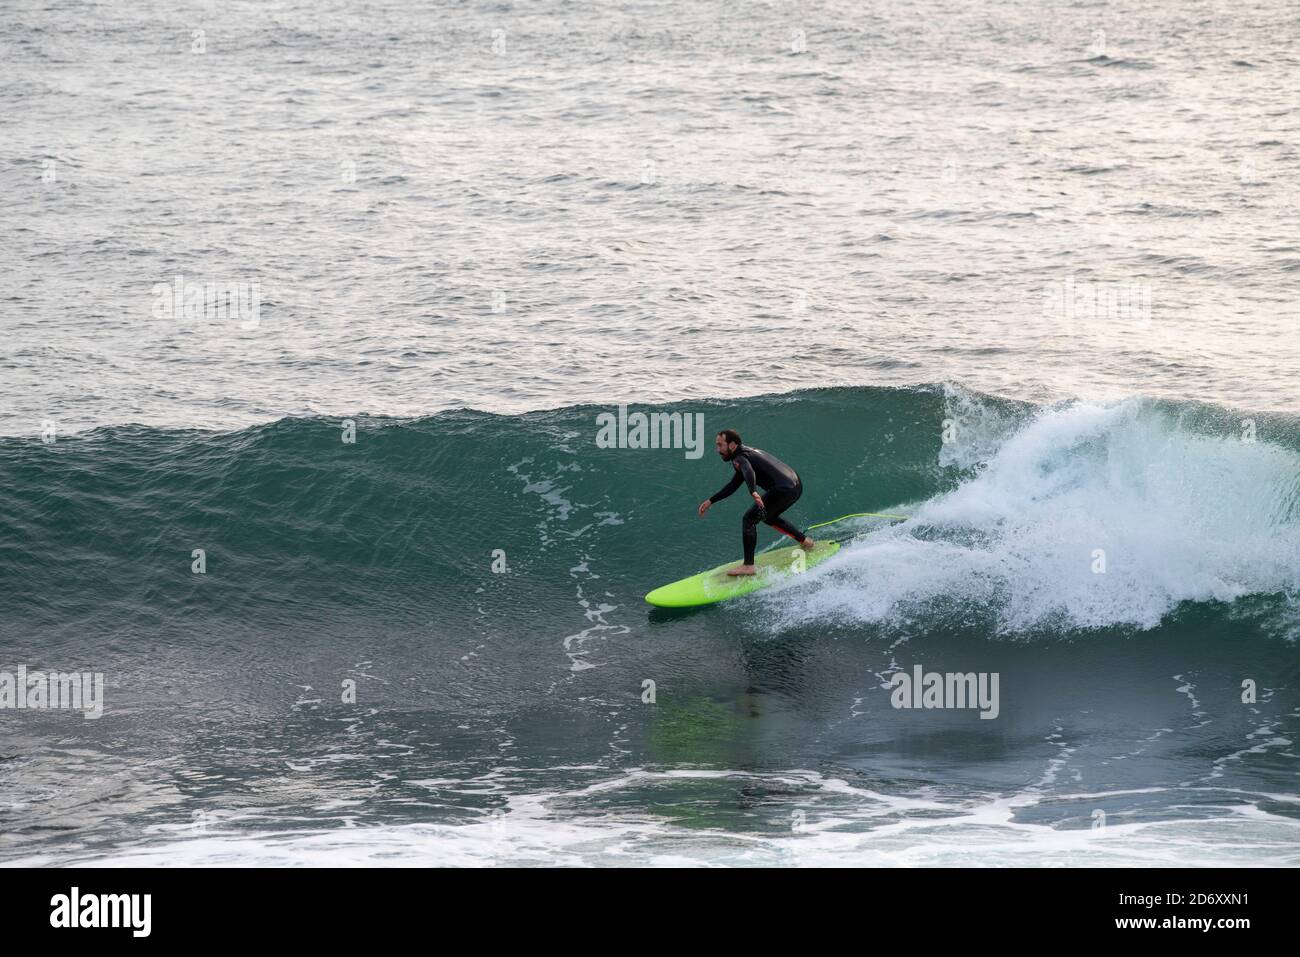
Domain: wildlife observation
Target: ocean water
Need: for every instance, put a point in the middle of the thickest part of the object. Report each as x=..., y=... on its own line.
x=1026, y=275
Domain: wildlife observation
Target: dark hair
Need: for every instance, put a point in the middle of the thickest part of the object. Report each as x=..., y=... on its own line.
x=731, y=435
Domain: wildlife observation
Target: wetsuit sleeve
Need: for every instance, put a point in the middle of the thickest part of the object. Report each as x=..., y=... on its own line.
x=745, y=470
x=727, y=489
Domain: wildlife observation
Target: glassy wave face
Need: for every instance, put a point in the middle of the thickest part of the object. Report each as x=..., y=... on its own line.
x=430, y=645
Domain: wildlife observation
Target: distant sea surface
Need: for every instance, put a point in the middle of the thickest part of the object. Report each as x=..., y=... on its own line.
x=516, y=206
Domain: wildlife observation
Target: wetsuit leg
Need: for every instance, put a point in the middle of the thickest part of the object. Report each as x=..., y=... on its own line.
x=749, y=531
x=775, y=502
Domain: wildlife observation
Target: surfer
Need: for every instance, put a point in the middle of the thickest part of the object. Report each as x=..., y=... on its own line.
x=780, y=482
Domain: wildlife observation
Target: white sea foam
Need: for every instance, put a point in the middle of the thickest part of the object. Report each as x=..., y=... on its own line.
x=841, y=825
x=1177, y=515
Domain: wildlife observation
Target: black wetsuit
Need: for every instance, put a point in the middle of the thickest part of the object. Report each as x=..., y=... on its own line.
x=779, y=481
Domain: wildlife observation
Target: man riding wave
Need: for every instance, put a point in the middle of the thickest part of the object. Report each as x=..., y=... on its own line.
x=782, y=486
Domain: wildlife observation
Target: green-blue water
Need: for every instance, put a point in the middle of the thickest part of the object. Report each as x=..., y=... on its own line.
x=503, y=715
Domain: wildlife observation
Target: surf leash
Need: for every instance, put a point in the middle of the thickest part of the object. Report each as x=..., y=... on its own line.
x=857, y=515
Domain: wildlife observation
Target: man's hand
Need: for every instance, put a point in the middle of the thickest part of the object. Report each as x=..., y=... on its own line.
x=704, y=507
x=758, y=500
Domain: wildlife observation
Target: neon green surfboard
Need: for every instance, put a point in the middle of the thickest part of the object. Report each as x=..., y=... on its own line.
x=716, y=585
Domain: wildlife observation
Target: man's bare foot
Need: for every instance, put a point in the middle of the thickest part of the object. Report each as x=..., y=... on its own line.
x=807, y=544
x=742, y=570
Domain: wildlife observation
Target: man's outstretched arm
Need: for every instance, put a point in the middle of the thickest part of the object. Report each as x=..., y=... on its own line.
x=720, y=494
x=727, y=489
